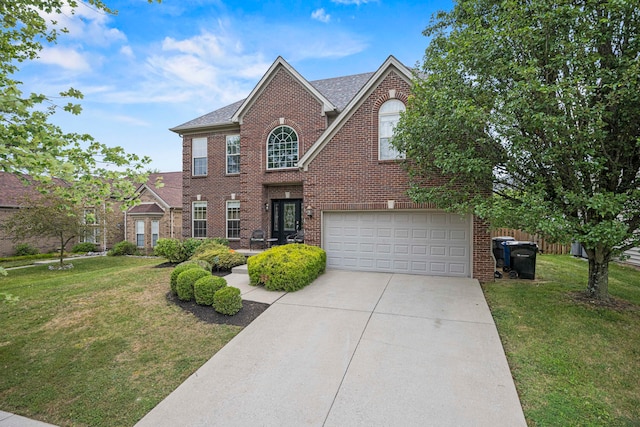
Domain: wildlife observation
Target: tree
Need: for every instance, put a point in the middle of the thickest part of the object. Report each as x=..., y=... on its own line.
x=538, y=102
x=29, y=143
x=49, y=216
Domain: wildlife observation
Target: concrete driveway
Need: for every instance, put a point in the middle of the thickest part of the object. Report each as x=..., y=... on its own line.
x=357, y=349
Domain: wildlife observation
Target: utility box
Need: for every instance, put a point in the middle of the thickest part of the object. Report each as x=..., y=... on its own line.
x=522, y=258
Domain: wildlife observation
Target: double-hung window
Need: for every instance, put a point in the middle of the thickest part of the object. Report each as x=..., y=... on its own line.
x=233, y=219
x=155, y=233
x=233, y=154
x=388, y=118
x=140, y=234
x=199, y=219
x=199, y=156
x=282, y=148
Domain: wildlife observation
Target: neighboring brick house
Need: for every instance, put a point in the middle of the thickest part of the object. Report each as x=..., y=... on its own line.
x=159, y=214
x=16, y=193
x=316, y=156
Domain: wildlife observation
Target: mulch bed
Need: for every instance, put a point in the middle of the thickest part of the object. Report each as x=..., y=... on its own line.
x=247, y=314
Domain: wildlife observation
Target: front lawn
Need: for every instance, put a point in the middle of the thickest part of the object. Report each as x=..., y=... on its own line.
x=574, y=363
x=97, y=345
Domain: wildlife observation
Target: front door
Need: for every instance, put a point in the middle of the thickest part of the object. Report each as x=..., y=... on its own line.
x=286, y=218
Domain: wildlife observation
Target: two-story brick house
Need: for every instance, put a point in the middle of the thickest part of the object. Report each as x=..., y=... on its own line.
x=315, y=155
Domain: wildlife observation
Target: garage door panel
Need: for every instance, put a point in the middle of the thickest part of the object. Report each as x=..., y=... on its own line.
x=418, y=242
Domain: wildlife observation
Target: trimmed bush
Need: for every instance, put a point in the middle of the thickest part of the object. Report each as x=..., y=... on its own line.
x=24, y=249
x=171, y=249
x=173, y=280
x=84, y=247
x=227, y=301
x=205, y=287
x=199, y=262
x=207, y=245
x=222, y=258
x=186, y=280
x=123, y=248
x=288, y=267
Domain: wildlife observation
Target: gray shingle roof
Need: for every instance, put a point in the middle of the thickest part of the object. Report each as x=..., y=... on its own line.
x=339, y=90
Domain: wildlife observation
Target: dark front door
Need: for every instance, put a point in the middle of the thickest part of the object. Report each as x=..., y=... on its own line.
x=286, y=218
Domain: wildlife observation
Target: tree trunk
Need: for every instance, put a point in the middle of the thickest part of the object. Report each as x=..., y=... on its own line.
x=62, y=245
x=598, y=286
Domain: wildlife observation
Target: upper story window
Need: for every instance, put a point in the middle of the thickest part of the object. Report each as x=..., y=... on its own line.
x=388, y=118
x=282, y=148
x=199, y=156
x=233, y=154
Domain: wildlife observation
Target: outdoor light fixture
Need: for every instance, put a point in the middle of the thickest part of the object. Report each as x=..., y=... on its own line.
x=266, y=207
x=309, y=211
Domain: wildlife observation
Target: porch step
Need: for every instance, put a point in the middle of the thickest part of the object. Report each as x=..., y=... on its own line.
x=241, y=269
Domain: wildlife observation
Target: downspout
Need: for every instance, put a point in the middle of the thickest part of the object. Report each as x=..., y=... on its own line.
x=125, y=225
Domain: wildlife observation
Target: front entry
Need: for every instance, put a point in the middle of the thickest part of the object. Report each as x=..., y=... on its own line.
x=286, y=218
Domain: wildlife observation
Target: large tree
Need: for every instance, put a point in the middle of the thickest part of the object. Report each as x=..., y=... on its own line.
x=539, y=102
x=29, y=142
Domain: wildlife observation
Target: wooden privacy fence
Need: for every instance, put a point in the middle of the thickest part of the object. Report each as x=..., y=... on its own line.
x=543, y=245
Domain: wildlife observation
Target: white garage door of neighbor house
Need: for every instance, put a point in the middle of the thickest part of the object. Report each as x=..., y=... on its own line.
x=413, y=242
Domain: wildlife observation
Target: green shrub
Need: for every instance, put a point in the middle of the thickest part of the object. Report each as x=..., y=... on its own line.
x=123, y=248
x=171, y=249
x=199, y=262
x=222, y=258
x=23, y=249
x=227, y=301
x=288, y=267
x=186, y=280
x=176, y=272
x=205, y=287
x=84, y=247
x=208, y=245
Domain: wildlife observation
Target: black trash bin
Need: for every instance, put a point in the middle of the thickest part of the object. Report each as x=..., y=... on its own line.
x=498, y=250
x=522, y=258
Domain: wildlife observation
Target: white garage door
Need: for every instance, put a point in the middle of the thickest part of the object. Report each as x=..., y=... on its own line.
x=414, y=242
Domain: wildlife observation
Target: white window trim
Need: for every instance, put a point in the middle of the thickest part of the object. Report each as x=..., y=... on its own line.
x=155, y=231
x=138, y=233
x=199, y=156
x=229, y=137
x=226, y=224
x=295, y=166
x=193, y=219
x=398, y=155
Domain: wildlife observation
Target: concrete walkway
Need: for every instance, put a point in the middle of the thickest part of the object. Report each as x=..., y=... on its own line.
x=355, y=349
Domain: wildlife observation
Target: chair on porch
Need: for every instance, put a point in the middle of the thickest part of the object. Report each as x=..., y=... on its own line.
x=297, y=237
x=258, y=237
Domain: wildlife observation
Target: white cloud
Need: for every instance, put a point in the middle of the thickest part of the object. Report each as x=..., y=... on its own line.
x=66, y=58
x=127, y=51
x=321, y=15
x=87, y=24
x=356, y=2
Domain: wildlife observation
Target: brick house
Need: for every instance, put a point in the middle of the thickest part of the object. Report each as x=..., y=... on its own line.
x=315, y=155
x=16, y=193
x=159, y=214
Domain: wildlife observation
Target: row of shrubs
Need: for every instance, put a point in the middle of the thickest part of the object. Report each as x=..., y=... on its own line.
x=25, y=249
x=192, y=280
x=287, y=268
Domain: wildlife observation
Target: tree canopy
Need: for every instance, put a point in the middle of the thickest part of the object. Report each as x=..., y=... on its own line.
x=29, y=142
x=532, y=109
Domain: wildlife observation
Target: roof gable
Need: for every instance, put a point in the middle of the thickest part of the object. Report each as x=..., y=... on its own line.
x=327, y=105
x=170, y=193
x=391, y=64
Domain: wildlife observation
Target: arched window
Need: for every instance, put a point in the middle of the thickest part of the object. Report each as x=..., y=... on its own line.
x=282, y=148
x=388, y=117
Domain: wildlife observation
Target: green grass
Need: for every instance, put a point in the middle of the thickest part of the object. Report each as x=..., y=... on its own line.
x=20, y=261
x=574, y=364
x=97, y=345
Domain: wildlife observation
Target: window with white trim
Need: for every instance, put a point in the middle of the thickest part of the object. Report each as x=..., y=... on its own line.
x=233, y=154
x=140, y=234
x=199, y=219
x=155, y=233
x=388, y=117
x=233, y=219
x=199, y=156
x=91, y=231
x=282, y=148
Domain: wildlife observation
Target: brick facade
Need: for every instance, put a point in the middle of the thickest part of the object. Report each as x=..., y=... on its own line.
x=340, y=172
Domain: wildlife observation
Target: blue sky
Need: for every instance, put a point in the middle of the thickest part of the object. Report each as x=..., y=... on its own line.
x=155, y=66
